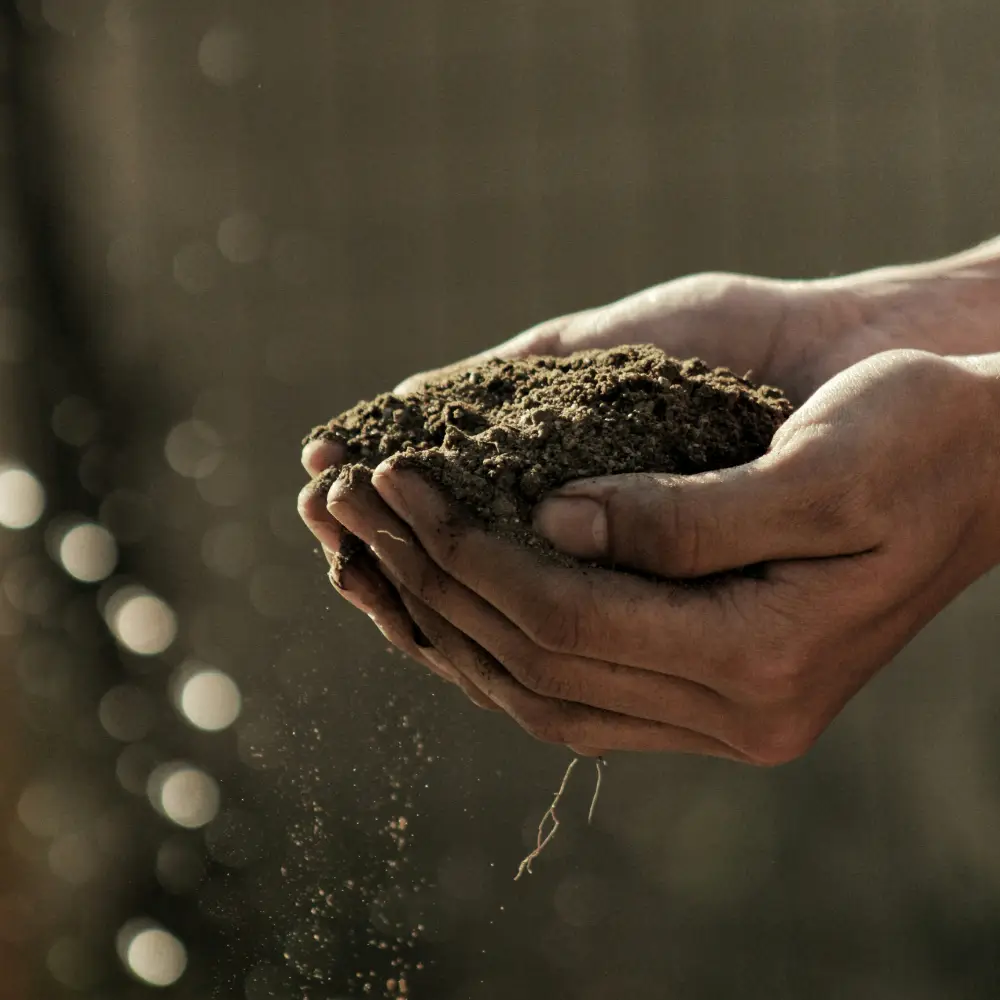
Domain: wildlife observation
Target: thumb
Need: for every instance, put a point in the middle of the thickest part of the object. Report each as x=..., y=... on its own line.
x=689, y=526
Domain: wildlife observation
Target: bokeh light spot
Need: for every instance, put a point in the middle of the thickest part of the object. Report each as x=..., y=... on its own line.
x=72, y=964
x=22, y=498
x=151, y=953
x=73, y=857
x=41, y=808
x=75, y=421
x=88, y=552
x=225, y=54
x=209, y=699
x=186, y=795
x=193, y=448
x=141, y=621
x=241, y=237
x=126, y=713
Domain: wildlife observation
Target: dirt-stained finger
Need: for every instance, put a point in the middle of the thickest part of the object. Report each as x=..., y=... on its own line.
x=320, y=454
x=554, y=721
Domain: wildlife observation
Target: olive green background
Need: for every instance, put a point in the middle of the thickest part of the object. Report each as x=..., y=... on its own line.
x=429, y=177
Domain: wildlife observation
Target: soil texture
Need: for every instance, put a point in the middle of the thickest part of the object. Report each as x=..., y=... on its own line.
x=500, y=435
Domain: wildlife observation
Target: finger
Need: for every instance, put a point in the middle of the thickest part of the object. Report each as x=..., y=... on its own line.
x=477, y=697
x=319, y=454
x=627, y=690
x=589, y=612
x=783, y=506
x=371, y=594
x=642, y=694
x=312, y=506
x=368, y=591
x=363, y=583
x=427, y=650
x=551, y=720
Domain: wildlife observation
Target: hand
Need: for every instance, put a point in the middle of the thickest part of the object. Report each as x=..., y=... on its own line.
x=793, y=334
x=875, y=506
x=787, y=333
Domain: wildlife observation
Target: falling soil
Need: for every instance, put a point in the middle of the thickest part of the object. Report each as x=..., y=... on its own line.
x=500, y=435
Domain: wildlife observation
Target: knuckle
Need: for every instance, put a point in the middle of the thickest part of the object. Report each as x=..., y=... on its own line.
x=553, y=625
x=772, y=679
x=680, y=541
x=651, y=518
x=783, y=739
x=425, y=581
x=525, y=668
x=543, y=722
x=540, y=675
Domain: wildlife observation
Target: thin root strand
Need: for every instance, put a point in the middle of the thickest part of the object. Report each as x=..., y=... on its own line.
x=598, y=763
x=550, y=813
x=525, y=865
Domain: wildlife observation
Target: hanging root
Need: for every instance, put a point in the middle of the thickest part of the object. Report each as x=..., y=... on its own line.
x=544, y=838
x=598, y=762
x=525, y=865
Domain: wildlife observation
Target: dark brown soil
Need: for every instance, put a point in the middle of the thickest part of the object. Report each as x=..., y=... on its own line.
x=501, y=435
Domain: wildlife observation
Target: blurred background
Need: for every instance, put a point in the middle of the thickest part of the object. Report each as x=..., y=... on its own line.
x=224, y=221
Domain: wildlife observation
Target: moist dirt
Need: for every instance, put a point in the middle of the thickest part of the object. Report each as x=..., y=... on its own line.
x=500, y=435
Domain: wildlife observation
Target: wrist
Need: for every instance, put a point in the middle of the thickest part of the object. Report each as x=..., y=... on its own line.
x=984, y=405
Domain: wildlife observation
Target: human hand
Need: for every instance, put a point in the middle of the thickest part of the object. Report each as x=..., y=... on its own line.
x=875, y=506
x=772, y=327
x=793, y=334
x=786, y=333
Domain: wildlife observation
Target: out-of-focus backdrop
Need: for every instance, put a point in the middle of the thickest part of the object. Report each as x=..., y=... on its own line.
x=223, y=221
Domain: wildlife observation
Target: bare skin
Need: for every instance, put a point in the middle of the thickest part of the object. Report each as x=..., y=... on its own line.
x=876, y=505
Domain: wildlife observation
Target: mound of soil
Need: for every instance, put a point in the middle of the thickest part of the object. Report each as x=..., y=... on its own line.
x=500, y=435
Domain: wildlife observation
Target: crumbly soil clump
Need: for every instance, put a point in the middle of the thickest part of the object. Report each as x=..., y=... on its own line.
x=500, y=435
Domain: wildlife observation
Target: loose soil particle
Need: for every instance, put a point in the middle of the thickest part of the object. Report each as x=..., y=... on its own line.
x=499, y=436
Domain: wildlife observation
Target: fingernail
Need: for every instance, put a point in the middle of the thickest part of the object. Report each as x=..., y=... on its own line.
x=576, y=525
x=320, y=454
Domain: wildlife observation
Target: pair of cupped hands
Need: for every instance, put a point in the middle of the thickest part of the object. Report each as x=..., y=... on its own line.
x=876, y=504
